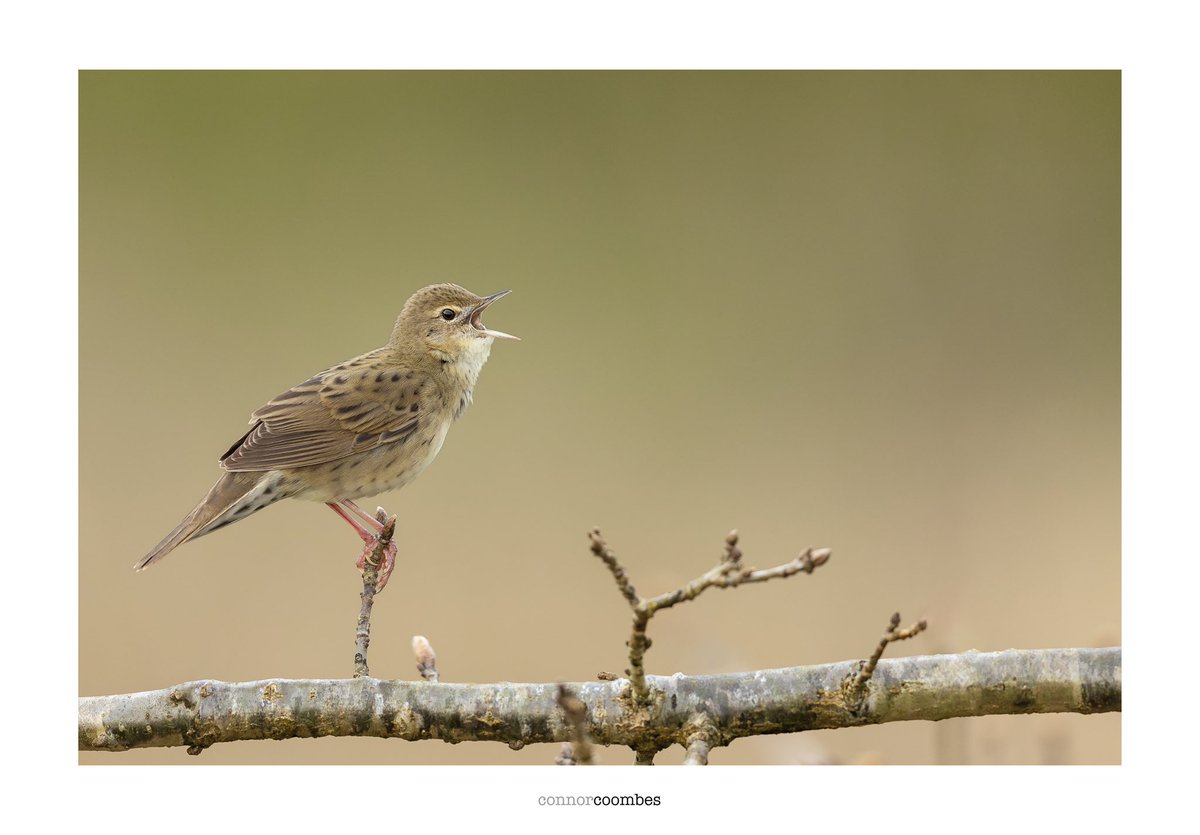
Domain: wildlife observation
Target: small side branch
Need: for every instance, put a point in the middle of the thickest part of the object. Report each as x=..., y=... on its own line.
x=370, y=577
x=702, y=739
x=600, y=549
x=644, y=756
x=728, y=574
x=697, y=751
x=893, y=633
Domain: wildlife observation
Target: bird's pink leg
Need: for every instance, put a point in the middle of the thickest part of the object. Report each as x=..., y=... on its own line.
x=362, y=514
x=369, y=533
x=364, y=532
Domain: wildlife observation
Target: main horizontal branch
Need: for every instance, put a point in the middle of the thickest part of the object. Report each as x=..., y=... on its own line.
x=201, y=713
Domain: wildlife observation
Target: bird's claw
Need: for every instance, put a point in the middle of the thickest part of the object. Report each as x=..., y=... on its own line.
x=387, y=561
x=385, y=570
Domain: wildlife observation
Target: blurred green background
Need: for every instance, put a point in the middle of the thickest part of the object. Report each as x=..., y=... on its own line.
x=873, y=311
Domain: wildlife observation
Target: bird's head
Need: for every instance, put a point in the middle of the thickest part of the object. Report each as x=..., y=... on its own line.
x=446, y=320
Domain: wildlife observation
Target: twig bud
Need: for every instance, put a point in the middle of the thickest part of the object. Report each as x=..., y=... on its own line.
x=597, y=540
x=733, y=554
x=426, y=658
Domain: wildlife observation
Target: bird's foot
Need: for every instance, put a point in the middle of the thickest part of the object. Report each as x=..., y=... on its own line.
x=387, y=560
x=372, y=531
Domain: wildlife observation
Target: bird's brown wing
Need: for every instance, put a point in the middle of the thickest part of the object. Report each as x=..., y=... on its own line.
x=346, y=410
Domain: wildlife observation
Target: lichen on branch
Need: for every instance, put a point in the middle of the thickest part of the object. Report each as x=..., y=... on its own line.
x=735, y=705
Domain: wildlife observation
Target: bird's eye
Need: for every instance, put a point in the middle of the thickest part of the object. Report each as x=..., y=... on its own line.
x=448, y=314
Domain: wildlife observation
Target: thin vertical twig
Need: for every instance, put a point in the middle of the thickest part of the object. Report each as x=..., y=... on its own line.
x=370, y=577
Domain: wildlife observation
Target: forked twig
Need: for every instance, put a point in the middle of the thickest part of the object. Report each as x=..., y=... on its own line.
x=729, y=573
x=892, y=634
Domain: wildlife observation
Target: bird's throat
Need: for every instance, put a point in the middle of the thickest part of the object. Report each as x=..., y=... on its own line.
x=460, y=371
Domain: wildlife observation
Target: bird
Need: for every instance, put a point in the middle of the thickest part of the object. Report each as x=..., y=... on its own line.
x=364, y=426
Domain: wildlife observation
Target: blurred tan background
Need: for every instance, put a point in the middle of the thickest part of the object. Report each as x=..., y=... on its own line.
x=873, y=311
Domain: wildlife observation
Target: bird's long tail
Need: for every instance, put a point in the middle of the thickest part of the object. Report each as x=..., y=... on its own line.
x=235, y=496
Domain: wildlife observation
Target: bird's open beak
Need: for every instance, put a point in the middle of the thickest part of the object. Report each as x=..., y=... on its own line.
x=477, y=313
